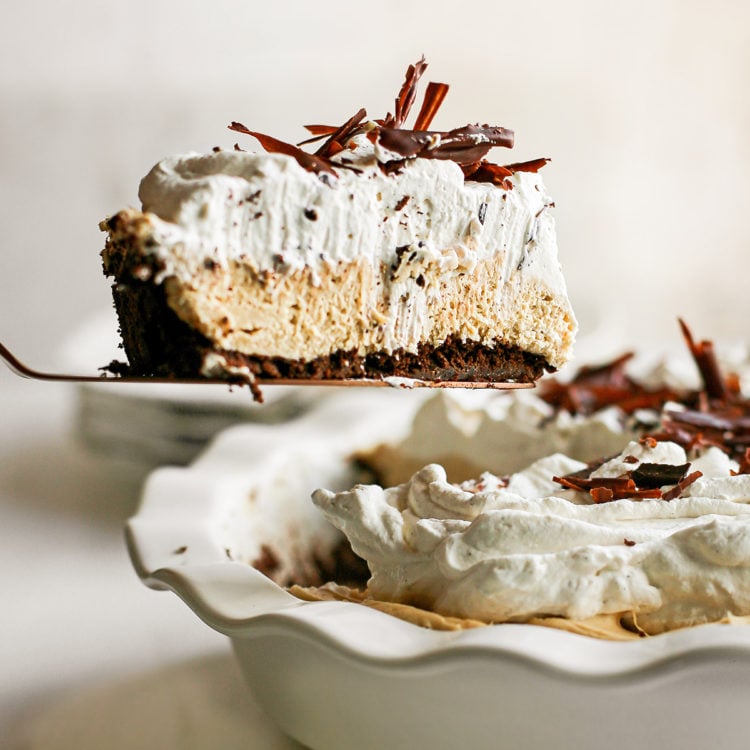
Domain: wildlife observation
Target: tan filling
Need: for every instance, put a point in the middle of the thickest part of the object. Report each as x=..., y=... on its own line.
x=622, y=626
x=352, y=306
x=393, y=466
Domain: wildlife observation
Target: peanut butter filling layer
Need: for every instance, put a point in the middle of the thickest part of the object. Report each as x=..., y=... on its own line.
x=360, y=308
x=620, y=626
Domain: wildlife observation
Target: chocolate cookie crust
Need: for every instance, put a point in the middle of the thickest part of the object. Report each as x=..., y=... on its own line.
x=158, y=343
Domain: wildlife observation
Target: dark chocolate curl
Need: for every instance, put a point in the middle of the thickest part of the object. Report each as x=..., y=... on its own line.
x=336, y=140
x=307, y=161
x=705, y=360
x=433, y=98
x=407, y=94
x=649, y=475
x=466, y=145
x=533, y=165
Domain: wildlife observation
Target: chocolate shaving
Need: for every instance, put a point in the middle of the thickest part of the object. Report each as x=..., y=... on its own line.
x=705, y=359
x=320, y=131
x=406, y=95
x=649, y=475
x=311, y=162
x=433, y=98
x=602, y=494
x=335, y=142
x=484, y=171
x=466, y=145
x=533, y=165
x=678, y=489
x=595, y=388
x=642, y=483
x=725, y=427
x=717, y=415
x=606, y=489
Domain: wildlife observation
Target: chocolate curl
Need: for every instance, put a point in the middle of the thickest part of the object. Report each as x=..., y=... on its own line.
x=496, y=174
x=406, y=95
x=433, y=98
x=484, y=171
x=318, y=133
x=705, y=360
x=680, y=487
x=321, y=130
x=533, y=165
x=465, y=145
x=594, y=388
x=311, y=162
x=334, y=144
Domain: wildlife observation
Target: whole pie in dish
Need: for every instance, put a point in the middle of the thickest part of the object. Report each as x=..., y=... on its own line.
x=653, y=538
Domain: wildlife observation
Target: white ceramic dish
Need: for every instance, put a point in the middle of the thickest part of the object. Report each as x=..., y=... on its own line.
x=337, y=676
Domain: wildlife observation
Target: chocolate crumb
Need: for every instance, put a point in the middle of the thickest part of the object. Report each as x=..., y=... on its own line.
x=628, y=542
x=401, y=203
x=482, y=212
x=311, y=214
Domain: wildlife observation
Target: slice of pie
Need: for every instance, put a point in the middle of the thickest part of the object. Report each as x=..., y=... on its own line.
x=387, y=252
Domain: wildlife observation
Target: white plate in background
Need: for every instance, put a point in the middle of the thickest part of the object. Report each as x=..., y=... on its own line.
x=152, y=425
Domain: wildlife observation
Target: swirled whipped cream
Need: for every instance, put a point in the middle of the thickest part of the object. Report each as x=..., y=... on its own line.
x=512, y=548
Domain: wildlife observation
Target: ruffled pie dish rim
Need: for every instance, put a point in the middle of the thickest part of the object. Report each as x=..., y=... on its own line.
x=181, y=507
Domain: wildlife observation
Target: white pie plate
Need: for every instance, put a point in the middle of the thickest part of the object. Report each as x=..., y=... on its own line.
x=337, y=676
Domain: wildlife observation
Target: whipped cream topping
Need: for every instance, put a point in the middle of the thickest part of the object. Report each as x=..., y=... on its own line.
x=508, y=549
x=233, y=205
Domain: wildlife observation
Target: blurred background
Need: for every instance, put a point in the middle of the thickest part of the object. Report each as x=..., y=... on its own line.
x=644, y=108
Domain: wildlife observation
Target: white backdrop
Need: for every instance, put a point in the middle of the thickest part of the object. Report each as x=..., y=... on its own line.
x=643, y=106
